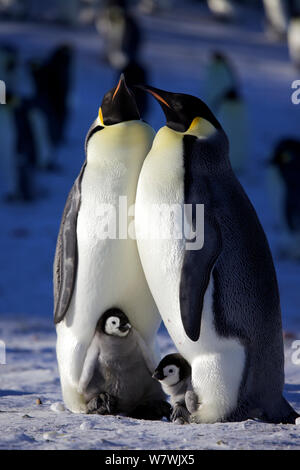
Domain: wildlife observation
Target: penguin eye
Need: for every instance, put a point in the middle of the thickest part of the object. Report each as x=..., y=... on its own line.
x=171, y=371
x=114, y=322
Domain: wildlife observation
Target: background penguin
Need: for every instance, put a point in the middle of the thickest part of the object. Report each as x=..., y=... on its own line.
x=117, y=372
x=49, y=106
x=294, y=33
x=219, y=301
x=174, y=374
x=39, y=116
x=8, y=130
x=220, y=77
x=59, y=82
x=120, y=32
x=277, y=16
x=284, y=166
x=232, y=114
x=9, y=65
x=17, y=151
x=223, y=9
x=93, y=273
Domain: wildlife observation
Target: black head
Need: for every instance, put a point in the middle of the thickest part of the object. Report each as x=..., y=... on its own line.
x=181, y=109
x=114, y=322
x=218, y=56
x=169, y=366
x=232, y=94
x=118, y=105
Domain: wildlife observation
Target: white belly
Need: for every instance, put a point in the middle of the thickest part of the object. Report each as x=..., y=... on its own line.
x=294, y=41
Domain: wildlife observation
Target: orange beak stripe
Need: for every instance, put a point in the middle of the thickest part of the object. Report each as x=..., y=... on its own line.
x=156, y=95
x=116, y=90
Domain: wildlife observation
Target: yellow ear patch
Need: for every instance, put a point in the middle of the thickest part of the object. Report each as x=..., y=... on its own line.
x=195, y=123
x=101, y=116
x=200, y=127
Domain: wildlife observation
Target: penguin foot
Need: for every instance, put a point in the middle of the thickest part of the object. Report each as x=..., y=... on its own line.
x=152, y=410
x=102, y=404
x=180, y=415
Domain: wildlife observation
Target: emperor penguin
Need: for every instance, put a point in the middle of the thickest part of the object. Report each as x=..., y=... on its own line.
x=277, y=15
x=117, y=373
x=174, y=374
x=232, y=114
x=284, y=169
x=294, y=33
x=224, y=10
x=220, y=77
x=96, y=268
x=219, y=298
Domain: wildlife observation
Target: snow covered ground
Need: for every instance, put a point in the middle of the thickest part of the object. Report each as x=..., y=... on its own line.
x=176, y=54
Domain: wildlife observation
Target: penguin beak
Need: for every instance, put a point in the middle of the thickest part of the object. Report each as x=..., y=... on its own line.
x=118, y=105
x=157, y=375
x=125, y=327
x=175, y=120
x=180, y=109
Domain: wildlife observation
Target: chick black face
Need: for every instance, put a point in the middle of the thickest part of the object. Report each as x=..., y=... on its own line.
x=172, y=369
x=182, y=110
x=114, y=322
x=118, y=105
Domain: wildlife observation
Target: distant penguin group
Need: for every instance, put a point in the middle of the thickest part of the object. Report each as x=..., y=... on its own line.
x=219, y=300
x=33, y=126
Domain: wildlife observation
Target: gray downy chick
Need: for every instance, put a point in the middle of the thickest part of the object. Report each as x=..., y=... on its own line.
x=117, y=372
x=174, y=374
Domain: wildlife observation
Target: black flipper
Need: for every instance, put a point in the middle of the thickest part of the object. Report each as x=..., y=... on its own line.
x=65, y=262
x=195, y=275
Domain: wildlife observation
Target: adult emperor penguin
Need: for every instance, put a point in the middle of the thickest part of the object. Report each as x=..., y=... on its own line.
x=224, y=10
x=294, y=33
x=92, y=272
x=219, y=303
x=284, y=168
x=277, y=16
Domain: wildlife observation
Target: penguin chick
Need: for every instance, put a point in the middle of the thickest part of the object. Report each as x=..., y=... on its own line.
x=116, y=375
x=174, y=374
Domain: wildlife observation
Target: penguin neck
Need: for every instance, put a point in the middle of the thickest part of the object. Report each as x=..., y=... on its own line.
x=209, y=156
x=115, y=346
x=126, y=142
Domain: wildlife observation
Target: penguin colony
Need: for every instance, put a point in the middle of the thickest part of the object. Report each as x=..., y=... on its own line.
x=220, y=302
x=33, y=127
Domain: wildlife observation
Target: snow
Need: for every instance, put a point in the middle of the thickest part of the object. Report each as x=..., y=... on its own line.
x=176, y=52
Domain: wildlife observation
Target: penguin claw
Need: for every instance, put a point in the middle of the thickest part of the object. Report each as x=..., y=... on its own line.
x=191, y=401
x=180, y=415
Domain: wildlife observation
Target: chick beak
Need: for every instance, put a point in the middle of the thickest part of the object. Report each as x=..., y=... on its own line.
x=157, y=375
